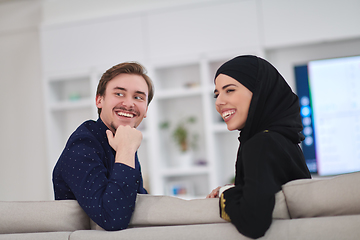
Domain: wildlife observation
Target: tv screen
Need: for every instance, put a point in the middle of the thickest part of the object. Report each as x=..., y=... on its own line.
x=329, y=94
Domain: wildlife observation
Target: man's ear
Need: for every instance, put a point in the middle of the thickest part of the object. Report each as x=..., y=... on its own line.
x=146, y=112
x=98, y=101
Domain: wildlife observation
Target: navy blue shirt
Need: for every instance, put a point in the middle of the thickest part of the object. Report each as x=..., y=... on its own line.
x=86, y=171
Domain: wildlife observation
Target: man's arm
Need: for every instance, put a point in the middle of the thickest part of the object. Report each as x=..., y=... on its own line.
x=108, y=197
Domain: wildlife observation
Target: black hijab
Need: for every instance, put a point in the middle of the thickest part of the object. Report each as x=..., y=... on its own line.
x=274, y=106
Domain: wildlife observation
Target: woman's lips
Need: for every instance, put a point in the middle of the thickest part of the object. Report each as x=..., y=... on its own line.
x=227, y=115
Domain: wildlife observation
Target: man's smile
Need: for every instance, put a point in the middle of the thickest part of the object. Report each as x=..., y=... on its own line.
x=131, y=113
x=123, y=114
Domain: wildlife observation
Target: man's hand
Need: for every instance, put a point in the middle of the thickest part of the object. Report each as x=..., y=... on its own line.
x=125, y=142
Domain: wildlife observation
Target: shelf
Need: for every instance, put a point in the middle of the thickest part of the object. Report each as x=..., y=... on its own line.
x=178, y=93
x=63, y=92
x=68, y=78
x=189, y=197
x=72, y=105
x=185, y=171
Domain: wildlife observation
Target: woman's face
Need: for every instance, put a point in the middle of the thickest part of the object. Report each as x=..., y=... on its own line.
x=232, y=101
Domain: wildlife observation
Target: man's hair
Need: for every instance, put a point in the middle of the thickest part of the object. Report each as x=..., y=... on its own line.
x=128, y=68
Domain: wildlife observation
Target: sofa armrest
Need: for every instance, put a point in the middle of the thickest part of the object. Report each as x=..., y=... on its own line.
x=42, y=216
x=335, y=196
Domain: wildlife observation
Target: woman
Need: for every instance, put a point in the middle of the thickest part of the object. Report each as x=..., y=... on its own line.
x=254, y=98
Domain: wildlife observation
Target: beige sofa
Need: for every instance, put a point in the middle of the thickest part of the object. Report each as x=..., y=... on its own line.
x=305, y=209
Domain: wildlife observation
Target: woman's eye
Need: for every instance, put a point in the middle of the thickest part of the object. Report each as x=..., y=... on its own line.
x=119, y=94
x=139, y=98
x=229, y=90
x=216, y=95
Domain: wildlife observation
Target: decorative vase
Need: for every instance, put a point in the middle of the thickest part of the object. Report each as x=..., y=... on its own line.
x=185, y=159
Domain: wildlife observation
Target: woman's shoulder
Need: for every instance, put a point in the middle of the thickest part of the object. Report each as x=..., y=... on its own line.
x=267, y=137
x=265, y=142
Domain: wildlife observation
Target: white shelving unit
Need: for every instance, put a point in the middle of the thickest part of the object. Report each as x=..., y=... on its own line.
x=182, y=90
x=69, y=100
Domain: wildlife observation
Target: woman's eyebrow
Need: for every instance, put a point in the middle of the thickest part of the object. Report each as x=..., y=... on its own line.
x=229, y=85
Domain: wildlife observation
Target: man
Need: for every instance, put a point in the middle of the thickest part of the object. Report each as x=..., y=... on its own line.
x=99, y=165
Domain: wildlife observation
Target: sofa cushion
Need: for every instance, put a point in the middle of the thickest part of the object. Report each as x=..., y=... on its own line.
x=37, y=236
x=329, y=228
x=223, y=231
x=334, y=196
x=320, y=228
x=167, y=210
x=42, y=216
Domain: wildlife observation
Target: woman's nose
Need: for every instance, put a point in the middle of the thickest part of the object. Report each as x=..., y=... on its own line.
x=219, y=100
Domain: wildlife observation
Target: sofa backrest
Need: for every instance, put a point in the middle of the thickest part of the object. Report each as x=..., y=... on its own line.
x=280, y=209
x=42, y=216
x=339, y=195
x=167, y=210
x=153, y=210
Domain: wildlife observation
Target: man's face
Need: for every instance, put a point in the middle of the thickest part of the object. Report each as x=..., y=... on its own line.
x=124, y=101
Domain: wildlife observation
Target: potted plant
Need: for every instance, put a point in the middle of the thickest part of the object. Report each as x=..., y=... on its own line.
x=184, y=139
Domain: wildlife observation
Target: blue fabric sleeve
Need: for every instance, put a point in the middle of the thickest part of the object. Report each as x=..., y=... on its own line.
x=107, y=196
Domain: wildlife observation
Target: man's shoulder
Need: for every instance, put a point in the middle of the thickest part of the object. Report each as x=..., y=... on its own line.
x=89, y=124
x=89, y=129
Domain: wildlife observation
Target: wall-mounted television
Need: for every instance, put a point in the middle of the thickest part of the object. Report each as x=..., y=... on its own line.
x=329, y=94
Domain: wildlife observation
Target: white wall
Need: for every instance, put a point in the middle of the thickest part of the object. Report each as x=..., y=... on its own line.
x=163, y=30
x=167, y=32
x=293, y=23
x=285, y=32
x=286, y=58
x=60, y=11
x=23, y=174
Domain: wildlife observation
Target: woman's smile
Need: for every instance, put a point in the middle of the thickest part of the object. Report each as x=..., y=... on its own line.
x=228, y=114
